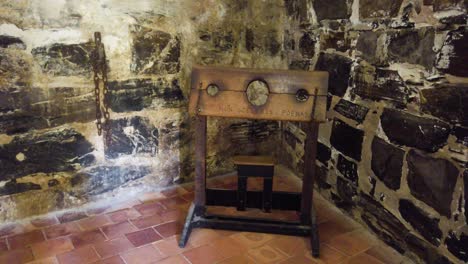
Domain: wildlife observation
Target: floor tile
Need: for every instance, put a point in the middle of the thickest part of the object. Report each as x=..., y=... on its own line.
x=350, y=243
x=93, y=222
x=170, y=246
x=330, y=229
x=328, y=255
x=44, y=221
x=61, y=230
x=290, y=245
x=143, y=237
x=17, y=256
x=244, y=259
x=267, y=254
x=300, y=259
x=252, y=240
x=142, y=255
x=169, y=229
x=114, y=247
x=203, y=255
x=202, y=236
x=124, y=215
x=363, y=258
x=51, y=247
x=229, y=247
x=71, y=216
x=23, y=240
x=3, y=245
x=173, y=202
x=147, y=209
x=178, y=259
x=173, y=215
x=385, y=254
x=83, y=255
x=147, y=221
x=51, y=260
x=111, y=260
x=117, y=230
x=87, y=237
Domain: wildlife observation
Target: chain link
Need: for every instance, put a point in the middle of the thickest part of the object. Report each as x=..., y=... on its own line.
x=102, y=104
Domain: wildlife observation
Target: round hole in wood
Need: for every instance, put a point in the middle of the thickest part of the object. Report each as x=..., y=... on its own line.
x=257, y=92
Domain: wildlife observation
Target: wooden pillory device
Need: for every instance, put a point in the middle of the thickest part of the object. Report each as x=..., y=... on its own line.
x=256, y=94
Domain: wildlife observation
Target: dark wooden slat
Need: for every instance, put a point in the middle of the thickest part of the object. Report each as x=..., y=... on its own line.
x=280, y=200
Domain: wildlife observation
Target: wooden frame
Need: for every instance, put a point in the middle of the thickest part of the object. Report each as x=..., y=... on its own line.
x=283, y=87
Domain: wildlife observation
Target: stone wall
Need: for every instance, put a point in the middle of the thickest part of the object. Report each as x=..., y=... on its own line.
x=51, y=157
x=394, y=152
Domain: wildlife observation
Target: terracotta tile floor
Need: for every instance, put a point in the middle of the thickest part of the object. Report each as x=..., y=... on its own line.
x=147, y=230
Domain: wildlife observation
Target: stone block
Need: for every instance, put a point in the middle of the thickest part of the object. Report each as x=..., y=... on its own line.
x=380, y=84
x=347, y=139
x=347, y=194
x=454, y=53
x=383, y=223
x=432, y=180
x=332, y=9
x=297, y=9
x=351, y=110
x=387, y=163
x=65, y=59
x=11, y=42
x=307, y=46
x=154, y=51
x=13, y=187
x=339, y=68
x=138, y=94
x=323, y=153
x=458, y=246
x=370, y=49
x=101, y=179
x=322, y=178
x=461, y=134
x=20, y=122
x=425, y=251
x=406, y=129
x=52, y=151
x=131, y=136
x=413, y=46
x=427, y=226
x=348, y=169
x=379, y=9
x=447, y=102
x=465, y=185
x=334, y=40
x=443, y=5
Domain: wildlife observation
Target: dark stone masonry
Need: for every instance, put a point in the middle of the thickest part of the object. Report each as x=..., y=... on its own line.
x=52, y=151
x=347, y=139
x=339, y=68
x=406, y=129
x=426, y=226
x=351, y=110
x=432, y=180
x=387, y=163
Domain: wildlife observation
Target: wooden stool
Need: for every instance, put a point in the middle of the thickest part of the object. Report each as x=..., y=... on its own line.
x=254, y=166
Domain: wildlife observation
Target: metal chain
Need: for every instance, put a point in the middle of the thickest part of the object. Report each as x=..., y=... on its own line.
x=100, y=73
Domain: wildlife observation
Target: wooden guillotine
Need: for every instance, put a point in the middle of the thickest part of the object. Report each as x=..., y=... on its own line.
x=256, y=94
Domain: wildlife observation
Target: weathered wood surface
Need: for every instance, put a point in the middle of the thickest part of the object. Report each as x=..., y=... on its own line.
x=254, y=160
x=231, y=101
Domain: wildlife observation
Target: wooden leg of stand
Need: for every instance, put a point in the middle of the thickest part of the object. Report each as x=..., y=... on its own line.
x=307, y=210
x=197, y=209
